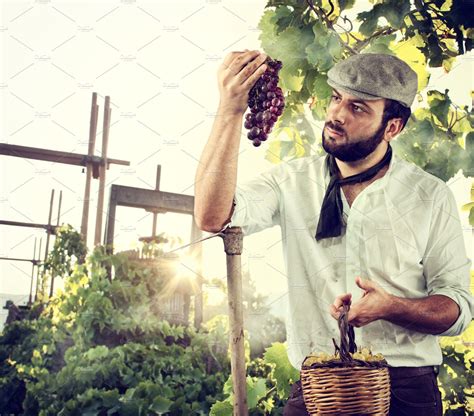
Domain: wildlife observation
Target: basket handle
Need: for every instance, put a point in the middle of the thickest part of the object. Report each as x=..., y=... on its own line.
x=347, y=344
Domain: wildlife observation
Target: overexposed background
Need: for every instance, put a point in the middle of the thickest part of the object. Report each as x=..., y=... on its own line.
x=157, y=60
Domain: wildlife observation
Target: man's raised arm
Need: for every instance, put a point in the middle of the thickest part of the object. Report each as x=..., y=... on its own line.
x=216, y=175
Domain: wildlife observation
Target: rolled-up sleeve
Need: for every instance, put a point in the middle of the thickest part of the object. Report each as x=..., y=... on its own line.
x=445, y=264
x=257, y=202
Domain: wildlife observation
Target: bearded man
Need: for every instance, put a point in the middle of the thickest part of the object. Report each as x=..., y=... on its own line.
x=359, y=225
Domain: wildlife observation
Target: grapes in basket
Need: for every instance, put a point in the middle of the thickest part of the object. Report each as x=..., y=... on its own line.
x=266, y=103
x=364, y=354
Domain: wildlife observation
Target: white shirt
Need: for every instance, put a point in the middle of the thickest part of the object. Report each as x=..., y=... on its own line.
x=403, y=232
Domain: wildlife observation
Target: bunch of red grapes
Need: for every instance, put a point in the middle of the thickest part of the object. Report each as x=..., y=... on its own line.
x=266, y=103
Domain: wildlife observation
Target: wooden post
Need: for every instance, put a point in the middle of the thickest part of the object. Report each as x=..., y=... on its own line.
x=157, y=187
x=38, y=269
x=90, y=154
x=233, y=247
x=102, y=172
x=110, y=222
x=48, y=236
x=195, y=252
x=30, y=298
x=59, y=207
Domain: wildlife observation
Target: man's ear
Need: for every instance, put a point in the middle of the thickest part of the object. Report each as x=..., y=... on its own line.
x=394, y=127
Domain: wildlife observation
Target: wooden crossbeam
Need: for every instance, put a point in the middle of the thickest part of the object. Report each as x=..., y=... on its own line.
x=34, y=261
x=56, y=156
x=29, y=224
x=150, y=199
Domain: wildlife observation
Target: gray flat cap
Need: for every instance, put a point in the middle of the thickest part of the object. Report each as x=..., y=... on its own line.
x=371, y=76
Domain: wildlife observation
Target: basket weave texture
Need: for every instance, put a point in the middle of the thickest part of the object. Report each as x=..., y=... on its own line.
x=346, y=386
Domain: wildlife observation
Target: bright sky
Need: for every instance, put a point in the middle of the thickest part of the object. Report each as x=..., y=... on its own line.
x=158, y=61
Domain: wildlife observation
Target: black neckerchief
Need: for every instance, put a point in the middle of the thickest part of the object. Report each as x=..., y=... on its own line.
x=330, y=219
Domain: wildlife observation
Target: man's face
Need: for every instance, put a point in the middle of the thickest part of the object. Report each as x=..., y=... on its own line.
x=353, y=127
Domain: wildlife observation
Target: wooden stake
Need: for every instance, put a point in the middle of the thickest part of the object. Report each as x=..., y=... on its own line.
x=38, y=269
x=59, y=207
x=89, y=167
x=48, y=236
x=233, y=247
x=157, y=187
x=102, y=171
x=195, y=252
x=30, y=298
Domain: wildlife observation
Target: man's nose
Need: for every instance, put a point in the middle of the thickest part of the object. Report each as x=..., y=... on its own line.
x=337, y=113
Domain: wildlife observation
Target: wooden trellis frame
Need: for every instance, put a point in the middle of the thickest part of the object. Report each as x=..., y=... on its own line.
x=96, y=168
x=156, y=201
x=50, y=230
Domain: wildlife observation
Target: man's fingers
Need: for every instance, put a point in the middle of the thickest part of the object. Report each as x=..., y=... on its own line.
x=366, y=284
x=341, y=299
x=241, y=60
x=251, y=70
x=230, y=57
x=334, y=312
x=252, y=79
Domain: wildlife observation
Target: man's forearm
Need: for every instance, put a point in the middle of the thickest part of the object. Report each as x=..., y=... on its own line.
x=216, y=176
x=432, y=315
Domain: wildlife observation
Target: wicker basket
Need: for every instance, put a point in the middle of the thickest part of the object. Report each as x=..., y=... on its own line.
x=346, y=386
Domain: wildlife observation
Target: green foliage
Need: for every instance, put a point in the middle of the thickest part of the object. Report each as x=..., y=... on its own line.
x=394, y=11
x=456, y=377
x=285, y=374
x=310, y=37
x=268, y=383
x=99, y=347
x=68, y=248
x=434, y=138
x=136, y=376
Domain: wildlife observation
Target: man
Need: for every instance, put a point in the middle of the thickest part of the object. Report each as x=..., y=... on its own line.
x=357, y=225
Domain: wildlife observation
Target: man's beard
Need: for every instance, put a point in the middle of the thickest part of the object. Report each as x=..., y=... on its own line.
x=355, y=149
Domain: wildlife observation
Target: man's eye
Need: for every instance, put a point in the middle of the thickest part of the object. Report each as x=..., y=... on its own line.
x=333, y=97
x=357, y=109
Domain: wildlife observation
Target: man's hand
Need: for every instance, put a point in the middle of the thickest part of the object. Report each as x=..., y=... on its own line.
x=236, y=76
x=371, y=307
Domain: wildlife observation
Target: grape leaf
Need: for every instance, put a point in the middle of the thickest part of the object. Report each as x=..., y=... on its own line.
x=282, y=18
x=422, y=132
x=290, y=81
x=221, y=409
x=160, y=404
x=268, y=30
x=346, y=4
x=439, y=105
x=284, y=373
x=256, y=389
x=321, y=88
x=317, y=52
x=393, y=10
x=97, y=353
x=289, y=47
x=380, y=44
x=319, y=108
x=470, y=143
x=433, y=50
x=334, y=46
